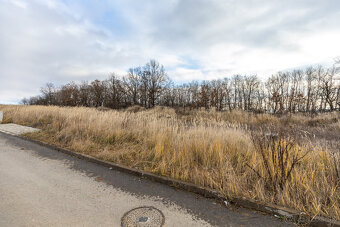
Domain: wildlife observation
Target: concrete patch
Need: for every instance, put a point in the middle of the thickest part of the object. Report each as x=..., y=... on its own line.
x=14, y=129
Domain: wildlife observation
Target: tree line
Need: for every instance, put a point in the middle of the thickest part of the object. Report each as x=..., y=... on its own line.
x=313, y=89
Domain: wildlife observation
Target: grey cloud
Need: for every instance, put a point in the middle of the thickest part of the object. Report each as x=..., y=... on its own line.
x=201, y=23
x=51, y=41
x=40, y=44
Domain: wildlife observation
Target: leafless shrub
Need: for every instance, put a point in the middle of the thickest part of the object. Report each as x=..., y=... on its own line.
x=279, y=154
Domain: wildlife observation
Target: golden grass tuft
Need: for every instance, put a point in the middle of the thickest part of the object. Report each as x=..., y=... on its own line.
x=211, y=149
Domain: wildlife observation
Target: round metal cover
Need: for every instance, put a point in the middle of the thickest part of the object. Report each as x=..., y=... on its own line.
x=143, y=217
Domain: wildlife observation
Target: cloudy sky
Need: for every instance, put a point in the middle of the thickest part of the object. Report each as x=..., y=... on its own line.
x=73, y=40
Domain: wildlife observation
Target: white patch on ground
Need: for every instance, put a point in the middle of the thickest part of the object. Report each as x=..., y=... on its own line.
x=14, y=129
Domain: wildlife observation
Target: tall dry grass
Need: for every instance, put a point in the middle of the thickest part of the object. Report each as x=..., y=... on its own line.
x=214, y=150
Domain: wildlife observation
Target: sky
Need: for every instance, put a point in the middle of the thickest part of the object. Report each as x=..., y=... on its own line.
x=60, y=41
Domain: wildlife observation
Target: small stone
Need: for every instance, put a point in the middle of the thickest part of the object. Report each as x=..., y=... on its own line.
x=99, y=179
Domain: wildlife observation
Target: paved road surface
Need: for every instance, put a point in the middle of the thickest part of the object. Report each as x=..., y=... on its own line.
x=42, y=187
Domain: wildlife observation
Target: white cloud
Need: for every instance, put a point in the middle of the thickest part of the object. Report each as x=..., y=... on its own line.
x=20, y=4
x=183, y=74
x=60, y=41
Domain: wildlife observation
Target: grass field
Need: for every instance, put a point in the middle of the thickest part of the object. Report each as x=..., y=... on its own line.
x=289, y=160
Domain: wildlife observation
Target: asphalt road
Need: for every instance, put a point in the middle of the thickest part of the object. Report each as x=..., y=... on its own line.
x=43, y=187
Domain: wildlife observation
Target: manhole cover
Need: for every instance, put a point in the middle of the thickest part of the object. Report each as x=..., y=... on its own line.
x=143, y=217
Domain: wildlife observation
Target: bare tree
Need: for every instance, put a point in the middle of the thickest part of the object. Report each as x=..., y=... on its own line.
x=98, y=92
x=155, y=79
x=329, y=88
x=114, y=92
x=69, y=95
x=132, y=83
x=84, y=94
x=310, y=90
x=48, y=94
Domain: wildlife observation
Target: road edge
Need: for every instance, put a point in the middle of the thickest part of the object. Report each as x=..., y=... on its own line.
x=271, y=209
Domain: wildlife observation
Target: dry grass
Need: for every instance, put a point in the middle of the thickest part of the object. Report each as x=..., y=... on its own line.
x=211, y=149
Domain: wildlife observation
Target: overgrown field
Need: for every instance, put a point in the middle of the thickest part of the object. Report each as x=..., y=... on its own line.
x=289, y=160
